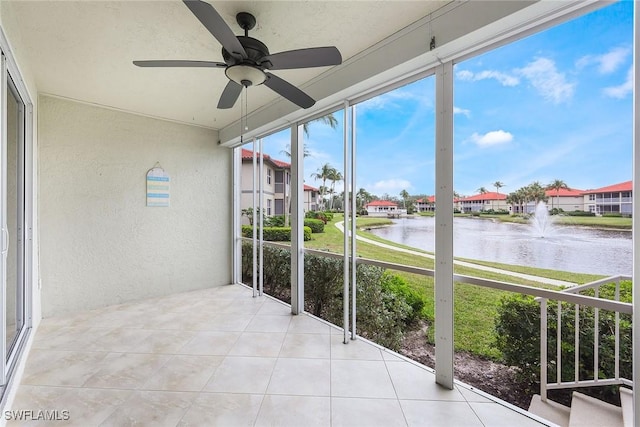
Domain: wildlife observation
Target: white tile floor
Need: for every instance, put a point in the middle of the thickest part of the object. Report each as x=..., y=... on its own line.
x=219, y=357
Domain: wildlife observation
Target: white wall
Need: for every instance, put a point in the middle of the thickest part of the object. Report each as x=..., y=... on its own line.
x=99, y=243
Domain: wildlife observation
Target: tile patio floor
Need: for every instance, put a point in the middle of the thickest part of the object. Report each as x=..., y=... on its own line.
x=219, y=357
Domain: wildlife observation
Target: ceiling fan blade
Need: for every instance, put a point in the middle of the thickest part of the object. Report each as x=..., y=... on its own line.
x=305, y=58
x=213, y=22
x=289, y=91
x=180, y=63
x=229, y=95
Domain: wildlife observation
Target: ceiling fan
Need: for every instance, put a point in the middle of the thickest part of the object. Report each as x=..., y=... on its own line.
x=247, y=61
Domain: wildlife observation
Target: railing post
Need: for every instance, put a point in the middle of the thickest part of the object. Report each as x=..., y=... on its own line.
x=559, y=344
x=576, y=362
x=543, y=349
x=617, y=336
x=596, y=337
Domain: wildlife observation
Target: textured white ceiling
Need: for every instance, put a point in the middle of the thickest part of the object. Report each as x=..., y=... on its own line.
x=83, y=49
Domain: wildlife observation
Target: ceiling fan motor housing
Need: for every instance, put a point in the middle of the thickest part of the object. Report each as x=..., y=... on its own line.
x=256, y=50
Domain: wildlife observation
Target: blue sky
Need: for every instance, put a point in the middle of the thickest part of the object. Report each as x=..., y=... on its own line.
x=556, y=105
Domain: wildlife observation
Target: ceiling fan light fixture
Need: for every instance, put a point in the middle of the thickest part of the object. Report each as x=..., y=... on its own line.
x=246, y=75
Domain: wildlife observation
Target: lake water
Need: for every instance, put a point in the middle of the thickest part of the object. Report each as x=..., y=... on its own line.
x=567, y=248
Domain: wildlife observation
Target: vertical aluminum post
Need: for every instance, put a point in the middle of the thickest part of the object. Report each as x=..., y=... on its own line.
x=444, y=225
x=297, y=221
x=636, y=216
x=261, y=218
x=236, y=156
x=543, y=349
x=254, y=222
x=353, y=223
x=345, y=225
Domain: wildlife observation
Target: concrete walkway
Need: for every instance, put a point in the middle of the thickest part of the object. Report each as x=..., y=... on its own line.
x=340, y=226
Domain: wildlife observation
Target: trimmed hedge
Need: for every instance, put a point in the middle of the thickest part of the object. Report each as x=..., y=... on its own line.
x=579, y=213
x=316, y=225
x=518, y=337
x=275, y=234
x=381, y=312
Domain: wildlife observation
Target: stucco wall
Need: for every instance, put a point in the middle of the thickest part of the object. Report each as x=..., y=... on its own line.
x=100, y=244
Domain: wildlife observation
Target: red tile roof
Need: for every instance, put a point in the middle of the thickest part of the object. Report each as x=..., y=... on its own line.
x=430, y=199
x=248, y=155
x=491, y=195
x=623, y=186
x=564, y=192
x=310, y=188
x=381, y=203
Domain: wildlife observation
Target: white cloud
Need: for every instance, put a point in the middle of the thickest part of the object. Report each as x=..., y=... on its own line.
x=607, y=62
x=495, y=137
x=463, y=111
x=394, y=98
x=622, y=90
x=547, y=80
x=390, y=186
x=502, y=78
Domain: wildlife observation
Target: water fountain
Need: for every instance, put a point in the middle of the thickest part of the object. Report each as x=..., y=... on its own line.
x=541, y=222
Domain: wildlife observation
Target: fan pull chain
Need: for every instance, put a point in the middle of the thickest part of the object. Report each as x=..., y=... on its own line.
x=244, y=108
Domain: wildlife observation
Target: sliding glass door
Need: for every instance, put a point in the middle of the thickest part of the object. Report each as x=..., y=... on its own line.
x=15, y=215
x=16, y=121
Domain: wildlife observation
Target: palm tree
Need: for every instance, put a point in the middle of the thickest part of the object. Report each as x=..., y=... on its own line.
x=557, y=184
x=323, y=173
x=498, y=186
x=287, y=151
x=334, y=177
x=482, y=190
x=329, y=119
x=405, y=196
x=362, y=198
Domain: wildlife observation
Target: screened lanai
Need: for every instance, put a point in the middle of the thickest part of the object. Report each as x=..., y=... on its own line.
x=98, y=284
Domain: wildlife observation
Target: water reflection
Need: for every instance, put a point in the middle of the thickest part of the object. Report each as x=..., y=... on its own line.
x=576, y=249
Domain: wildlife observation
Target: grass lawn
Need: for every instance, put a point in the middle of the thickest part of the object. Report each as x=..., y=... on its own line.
x=580, y=221
x=475, y=306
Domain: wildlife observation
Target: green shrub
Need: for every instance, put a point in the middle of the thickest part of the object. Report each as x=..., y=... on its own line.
x=328, y=215
x=316, y=225
x=580, y=213
x=381, y=314
x=398, y=286
x=275, y=234
x=518, y=337
x=275, y=221
x=612, y=215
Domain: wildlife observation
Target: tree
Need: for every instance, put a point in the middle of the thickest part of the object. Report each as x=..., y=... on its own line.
x=334, y=177
x=329, y=119
x=557, y=184
x=498, y=186
x=362, y=198
x=482, y=190
x=323, y=173
x=405, y=196
x=287, y=151
x=248, y=212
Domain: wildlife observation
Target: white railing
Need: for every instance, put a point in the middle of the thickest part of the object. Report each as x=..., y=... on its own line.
x=570, y=295
x=617, y=307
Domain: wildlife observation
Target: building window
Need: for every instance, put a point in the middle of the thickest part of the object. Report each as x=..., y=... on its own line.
x=268, y=207
x=592, y=196
x=269, y=176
